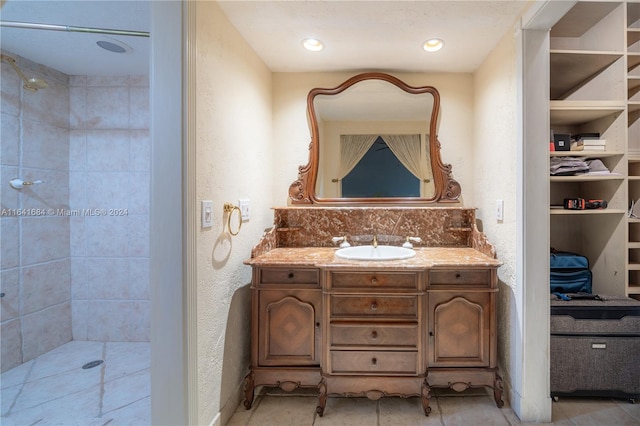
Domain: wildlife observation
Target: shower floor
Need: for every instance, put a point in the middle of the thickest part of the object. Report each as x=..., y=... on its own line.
x=55, y=389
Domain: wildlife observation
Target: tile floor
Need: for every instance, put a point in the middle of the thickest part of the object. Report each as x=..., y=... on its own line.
x=474, y=407
x=54, y=389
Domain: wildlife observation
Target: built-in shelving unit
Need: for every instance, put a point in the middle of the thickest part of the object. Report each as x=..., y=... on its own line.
x=633, y=137
x=589, y=59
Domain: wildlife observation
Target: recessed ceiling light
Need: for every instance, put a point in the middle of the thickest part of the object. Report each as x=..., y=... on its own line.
x=433, y=44
x=312, y=44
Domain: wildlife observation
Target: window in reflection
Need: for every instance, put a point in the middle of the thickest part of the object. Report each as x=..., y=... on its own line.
x=379, y=173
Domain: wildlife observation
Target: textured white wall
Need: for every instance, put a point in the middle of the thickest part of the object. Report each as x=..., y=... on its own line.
x=495, y=175
x=291, y=130
x=234, y=160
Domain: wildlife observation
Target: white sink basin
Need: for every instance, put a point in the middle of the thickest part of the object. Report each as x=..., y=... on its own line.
x=375, y=253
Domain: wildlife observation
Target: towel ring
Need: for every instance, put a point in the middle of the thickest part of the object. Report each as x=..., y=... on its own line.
x=229, y=208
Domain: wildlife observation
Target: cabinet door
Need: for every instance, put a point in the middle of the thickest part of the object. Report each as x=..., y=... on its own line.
x=459, y=329
x=289, y=327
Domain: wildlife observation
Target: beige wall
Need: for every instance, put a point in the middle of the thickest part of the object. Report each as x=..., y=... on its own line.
x=234, y=160
x=495, y=177
x=291, y=134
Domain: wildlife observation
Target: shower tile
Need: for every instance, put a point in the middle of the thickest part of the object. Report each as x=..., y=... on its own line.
x=79, y=318
x=107, y=108
x=137, y=413
x=78, y=236
x=78, y=150
x=77, y=190
x=54, y=388
x=44, y=146
x=10, y=350
x=139, y=109
x=78, y=107
x=125, y=358
x=17, y=375
x=139, y=236
x=46, y=285
x=9, y=233
x=140, y=151
x=107, y=80
x=8, y=195
x=53, y=193
x=107, y=236
x=10, y=90
x=45, y=330
x=139, y=80
x=77, y=80
x=108, y=278
x=139, y=193
x=79, y=286
x=68, y=358
x=10, y=130
x=50, y=105
x=120, y=392
x=44, y=239
x=107, y=190
x=108, y=150
x=139, y=278
x=10, y=286
x=8, y=396
x=118, y=321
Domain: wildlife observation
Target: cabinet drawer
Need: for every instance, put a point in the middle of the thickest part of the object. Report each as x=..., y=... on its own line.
x=374, y=280
x=363, y=362
x=272, y=276
x=375, y=334
x=457, y=277
x=400, y=307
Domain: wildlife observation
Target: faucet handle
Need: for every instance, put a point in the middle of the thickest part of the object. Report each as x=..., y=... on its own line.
x=408, y=244
x=342, y=240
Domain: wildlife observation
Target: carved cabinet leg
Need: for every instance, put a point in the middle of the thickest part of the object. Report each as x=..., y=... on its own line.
x=249, y=386
x=426, y=396
x=322, y=398
x=497, y=390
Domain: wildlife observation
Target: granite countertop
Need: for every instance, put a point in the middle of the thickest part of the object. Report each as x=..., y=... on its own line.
x=324, y=257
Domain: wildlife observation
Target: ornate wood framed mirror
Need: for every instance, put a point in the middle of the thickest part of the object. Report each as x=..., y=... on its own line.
x=374, y=140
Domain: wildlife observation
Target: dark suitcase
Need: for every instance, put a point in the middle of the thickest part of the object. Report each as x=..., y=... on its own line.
x=595, y=347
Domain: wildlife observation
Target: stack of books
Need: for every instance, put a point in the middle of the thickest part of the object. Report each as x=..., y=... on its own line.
x=588, y=142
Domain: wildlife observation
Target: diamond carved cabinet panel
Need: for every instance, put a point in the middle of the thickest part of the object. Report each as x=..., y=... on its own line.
x=289, y=323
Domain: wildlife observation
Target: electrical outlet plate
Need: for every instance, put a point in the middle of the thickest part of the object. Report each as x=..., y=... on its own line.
x=499, y=210
x=207, y=214
x=244, y=209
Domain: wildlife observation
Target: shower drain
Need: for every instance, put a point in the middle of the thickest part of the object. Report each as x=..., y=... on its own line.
x=92, y=364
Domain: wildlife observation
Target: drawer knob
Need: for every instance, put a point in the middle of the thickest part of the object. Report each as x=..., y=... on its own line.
x=374, y=306
x=374, y=361
x=291, y=275
x=431, y=333
x=458, y=275
x=374, y=334
x=317, y=325
x=374, y=280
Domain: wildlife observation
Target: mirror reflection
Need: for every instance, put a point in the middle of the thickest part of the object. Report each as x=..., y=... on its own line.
x=372, y=142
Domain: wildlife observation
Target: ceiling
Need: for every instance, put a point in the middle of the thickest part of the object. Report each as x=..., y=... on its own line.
x=358, y=35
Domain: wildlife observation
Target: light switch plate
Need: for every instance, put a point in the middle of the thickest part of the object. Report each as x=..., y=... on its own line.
x=244, y=209
x=500, y=210
x=207, y=214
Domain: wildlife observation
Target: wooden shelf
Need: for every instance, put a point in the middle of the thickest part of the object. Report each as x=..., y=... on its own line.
x=634, y=245
x=587, y=154
x=579, y=112
x=565, y=212
x=586, y=178
x=571, y=68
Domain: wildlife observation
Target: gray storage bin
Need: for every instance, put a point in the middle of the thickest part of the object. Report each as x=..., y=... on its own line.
x=595, y=347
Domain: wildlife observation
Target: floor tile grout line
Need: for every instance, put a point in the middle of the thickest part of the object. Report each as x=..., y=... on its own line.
x=22, y=385
x=103, y=369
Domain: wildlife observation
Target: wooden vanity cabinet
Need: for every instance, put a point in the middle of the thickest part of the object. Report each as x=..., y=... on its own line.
x=286, y=337
x=462, y=341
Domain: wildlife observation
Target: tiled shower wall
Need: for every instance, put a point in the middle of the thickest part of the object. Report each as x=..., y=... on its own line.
x=109, y=161
x=80, y=270
x=36, y=266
